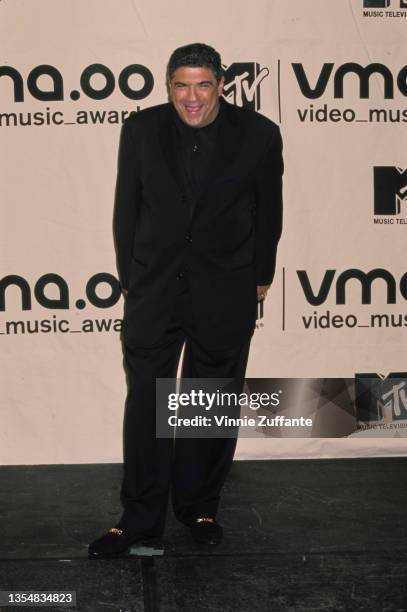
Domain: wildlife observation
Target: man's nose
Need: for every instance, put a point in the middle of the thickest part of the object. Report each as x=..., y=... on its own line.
x=192, y=94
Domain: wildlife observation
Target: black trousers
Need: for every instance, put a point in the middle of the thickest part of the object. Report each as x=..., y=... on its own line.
x=194, y=470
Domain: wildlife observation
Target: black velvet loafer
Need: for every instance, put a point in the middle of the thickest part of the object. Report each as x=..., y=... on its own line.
x=205, y=530
x=115, y=543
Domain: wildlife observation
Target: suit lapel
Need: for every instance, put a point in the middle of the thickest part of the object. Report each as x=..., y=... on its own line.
x=169, y=148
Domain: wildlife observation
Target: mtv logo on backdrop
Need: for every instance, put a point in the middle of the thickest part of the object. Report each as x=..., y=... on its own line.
x=381, y=398
x=390, y=189
x=376, y=3
x=242, y=84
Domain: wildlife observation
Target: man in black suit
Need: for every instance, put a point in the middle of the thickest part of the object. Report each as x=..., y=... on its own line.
x=197, y=220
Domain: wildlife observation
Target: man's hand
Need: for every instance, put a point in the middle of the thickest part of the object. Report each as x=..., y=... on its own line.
x=262, y=292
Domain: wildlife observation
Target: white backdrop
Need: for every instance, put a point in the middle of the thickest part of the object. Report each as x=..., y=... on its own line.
x=62, y=382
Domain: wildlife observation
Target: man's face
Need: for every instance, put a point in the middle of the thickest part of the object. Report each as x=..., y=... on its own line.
x=195, y=94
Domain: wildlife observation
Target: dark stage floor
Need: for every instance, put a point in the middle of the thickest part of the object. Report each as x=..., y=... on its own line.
x=306, y=536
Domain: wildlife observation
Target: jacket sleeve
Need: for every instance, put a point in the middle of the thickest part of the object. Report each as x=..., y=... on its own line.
x=127, y=202
x=269, y=209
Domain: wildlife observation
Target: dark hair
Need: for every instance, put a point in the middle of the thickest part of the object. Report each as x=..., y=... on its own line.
x=195, y=55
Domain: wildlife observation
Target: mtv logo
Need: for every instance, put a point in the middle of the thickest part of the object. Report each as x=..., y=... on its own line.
x=242, y=84
x=376, y=3
x=390, y=189
x=381, y=398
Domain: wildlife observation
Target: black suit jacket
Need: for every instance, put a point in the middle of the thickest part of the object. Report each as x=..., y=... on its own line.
x=225, y=248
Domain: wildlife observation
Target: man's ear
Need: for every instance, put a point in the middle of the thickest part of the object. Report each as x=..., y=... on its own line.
x=168, y=86
x=221, y=85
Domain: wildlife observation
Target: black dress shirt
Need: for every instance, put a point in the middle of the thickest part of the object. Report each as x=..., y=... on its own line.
x=195, y=147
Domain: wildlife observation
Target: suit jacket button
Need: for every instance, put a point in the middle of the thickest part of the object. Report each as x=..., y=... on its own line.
x=188, y=238
x=179, y=276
